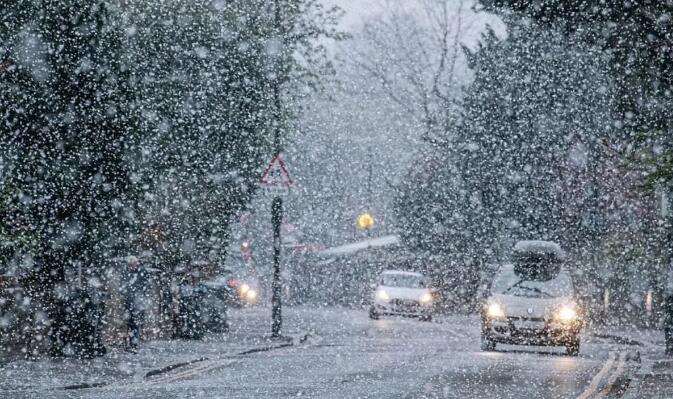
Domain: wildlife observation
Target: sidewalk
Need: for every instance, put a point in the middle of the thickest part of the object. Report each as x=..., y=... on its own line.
x=636, y=337
x=653, y=376
x=654, y=379
x=154, y=358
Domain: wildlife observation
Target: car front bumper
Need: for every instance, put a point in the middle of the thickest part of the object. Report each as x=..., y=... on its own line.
x=403, y=308
x=529, y=331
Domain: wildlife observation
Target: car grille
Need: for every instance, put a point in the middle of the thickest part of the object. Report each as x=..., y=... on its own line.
x=531, y=319
x=526, y=325
x=403, y=302
x=404, y=305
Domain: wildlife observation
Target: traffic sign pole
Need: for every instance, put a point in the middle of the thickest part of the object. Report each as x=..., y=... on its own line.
x=270, y=178
x=276, y=312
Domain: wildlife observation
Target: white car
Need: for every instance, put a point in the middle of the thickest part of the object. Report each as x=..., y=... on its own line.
x=531, y=312
x=402, y=293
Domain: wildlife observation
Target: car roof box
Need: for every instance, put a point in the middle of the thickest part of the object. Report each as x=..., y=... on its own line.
x=537, y=260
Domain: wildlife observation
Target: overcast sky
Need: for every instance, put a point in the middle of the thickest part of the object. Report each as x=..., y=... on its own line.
x=355, y=10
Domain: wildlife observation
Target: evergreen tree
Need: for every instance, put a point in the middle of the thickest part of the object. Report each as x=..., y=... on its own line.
x=66, y=135
x=127, y=121
x=207, y=70
x=518, y=163
x=534, y=105
x=636, y=39
x=636, y=42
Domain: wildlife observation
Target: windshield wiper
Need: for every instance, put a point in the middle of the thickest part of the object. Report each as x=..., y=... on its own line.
x=534, y=289
x=513, y=286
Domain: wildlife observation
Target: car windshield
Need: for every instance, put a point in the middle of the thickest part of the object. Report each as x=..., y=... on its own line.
x=508, y=283
x=402, y=280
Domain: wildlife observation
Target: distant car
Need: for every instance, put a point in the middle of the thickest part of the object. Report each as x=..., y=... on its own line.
x=240, y=288
x=531, y=312
x=402, y=293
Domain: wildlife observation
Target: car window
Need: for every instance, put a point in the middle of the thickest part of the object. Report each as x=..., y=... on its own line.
x=506, y=282
x=402, y=280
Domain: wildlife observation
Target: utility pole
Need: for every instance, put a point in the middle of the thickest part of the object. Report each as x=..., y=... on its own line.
x=277, y=203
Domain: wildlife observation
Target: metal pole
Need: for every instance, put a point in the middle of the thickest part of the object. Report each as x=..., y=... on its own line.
x=276, y=314
x=277, y=204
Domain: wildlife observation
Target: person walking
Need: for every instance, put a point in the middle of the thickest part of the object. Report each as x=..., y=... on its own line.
x=134, y=281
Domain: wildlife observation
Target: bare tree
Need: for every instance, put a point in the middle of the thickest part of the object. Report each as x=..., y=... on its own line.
x=415, y=55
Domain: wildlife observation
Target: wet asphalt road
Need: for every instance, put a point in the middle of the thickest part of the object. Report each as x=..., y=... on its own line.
x=343, y=354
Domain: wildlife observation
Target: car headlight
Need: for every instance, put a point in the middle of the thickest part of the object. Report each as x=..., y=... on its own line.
x=244, y=288
x=426, y=298
x=382, y=295
x=566, y=313
x=251, y=294
x=495, y=311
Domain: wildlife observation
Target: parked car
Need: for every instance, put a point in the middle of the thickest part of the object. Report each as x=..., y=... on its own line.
x=527, y=311
x=215, y=308
x=189, y=323
x=402, y=293
x=202, y=308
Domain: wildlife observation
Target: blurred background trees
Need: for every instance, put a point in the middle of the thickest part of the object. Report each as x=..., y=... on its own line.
x=563, y=134
x=140, y=125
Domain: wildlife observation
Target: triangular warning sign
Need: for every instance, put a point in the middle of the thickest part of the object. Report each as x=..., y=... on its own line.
x=276, y=173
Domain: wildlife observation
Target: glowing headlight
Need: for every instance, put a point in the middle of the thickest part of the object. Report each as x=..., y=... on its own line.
x=567, y=313
x=244, y=288
x=382, y=295
x=495, y=311
x=426, y=298
x=251, y=295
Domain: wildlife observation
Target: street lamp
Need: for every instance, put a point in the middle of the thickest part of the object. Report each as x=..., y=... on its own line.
x=365, y=221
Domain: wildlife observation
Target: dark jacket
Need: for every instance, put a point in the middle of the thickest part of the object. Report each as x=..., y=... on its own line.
x=133, y=286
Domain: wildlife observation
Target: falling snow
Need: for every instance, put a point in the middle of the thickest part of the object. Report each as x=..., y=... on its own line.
x=473, y=199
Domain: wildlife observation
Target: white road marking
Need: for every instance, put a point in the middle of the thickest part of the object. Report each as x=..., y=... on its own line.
x=593, y=386
x=613, y=378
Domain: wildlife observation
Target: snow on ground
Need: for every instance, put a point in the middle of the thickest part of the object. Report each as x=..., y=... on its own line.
x=336, y=353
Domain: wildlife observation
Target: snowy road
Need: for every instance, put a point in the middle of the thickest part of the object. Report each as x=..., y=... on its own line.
x=343, y=354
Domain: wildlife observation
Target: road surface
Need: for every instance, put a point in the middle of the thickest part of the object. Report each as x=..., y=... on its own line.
x=340, y=353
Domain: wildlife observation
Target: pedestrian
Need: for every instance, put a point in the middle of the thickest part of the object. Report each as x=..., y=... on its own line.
x=134, y=281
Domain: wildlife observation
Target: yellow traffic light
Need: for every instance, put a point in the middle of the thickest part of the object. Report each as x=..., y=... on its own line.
x=365, y=220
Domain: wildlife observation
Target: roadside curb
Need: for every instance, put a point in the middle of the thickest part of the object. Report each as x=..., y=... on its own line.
x=614, y=378
x=626, y=386
x=618, y=339
x=641, y=370
x=633, y=390
x=171, y=367
x=289, y=341
x=85, y=386
x=625, y=381
x=283, y=342
x=647, y=375
x=264, y=349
